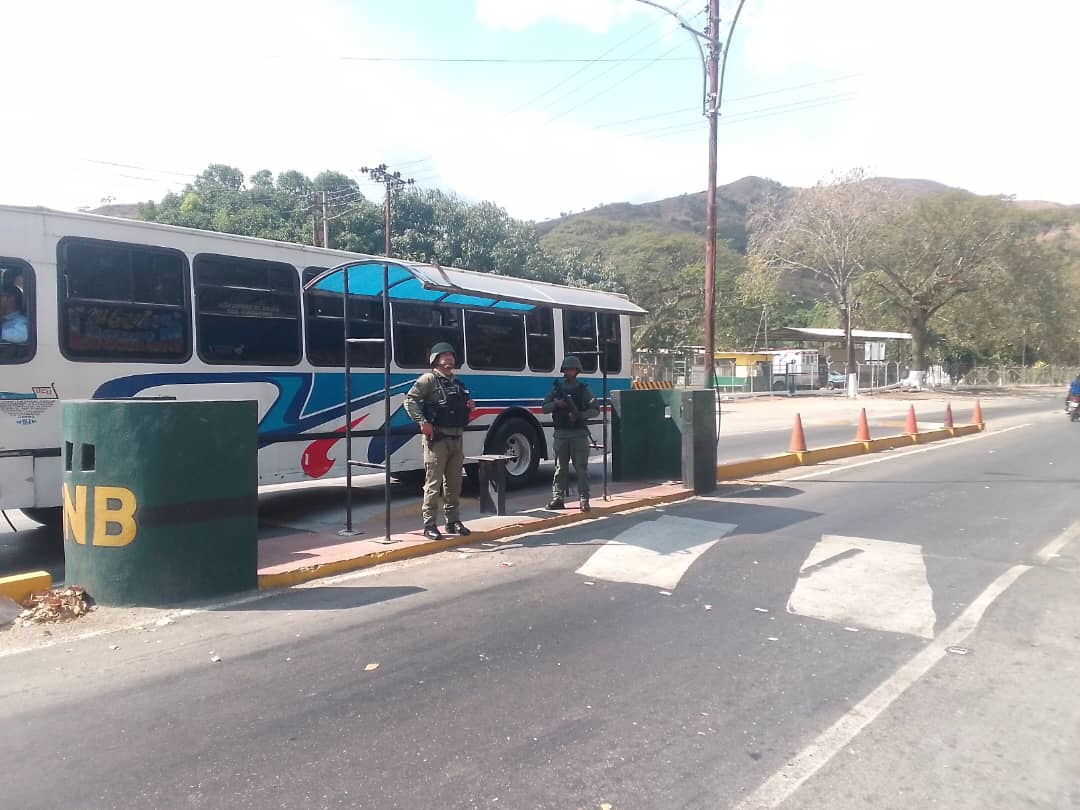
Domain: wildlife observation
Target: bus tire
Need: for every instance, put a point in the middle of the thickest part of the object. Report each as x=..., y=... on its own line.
x=516, y=437
x=51, y=517
x=409, y=478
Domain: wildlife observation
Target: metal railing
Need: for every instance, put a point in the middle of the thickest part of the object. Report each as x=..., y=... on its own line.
x=1015, y=376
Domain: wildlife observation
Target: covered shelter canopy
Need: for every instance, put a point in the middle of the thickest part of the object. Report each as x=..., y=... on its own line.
x=819, y=333
x=426, y=283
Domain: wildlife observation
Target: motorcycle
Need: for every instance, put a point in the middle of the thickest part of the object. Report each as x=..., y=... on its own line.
x=1072, y=408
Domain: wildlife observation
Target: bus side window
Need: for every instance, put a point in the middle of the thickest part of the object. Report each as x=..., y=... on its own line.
x=607, y=326
x=247, y=310
x=495, y=341
x=579, y=337
x=121, y=301
x=540, y=338
x=17, y=333
x=325, y=335
x=418, y=327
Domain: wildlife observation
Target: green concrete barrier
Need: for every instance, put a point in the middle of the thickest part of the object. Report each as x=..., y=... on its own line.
x=160, y=499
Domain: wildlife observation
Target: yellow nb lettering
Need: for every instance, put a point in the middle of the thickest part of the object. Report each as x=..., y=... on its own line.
x=114, y=507
x=75, y=514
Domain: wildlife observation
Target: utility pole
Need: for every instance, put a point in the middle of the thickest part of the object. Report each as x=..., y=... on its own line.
x=712, y=110
x=325, y=222
x=393, y=182
x=314, y=226
x=713, y=64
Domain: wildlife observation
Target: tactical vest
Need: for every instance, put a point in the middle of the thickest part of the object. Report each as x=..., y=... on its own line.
x=560, y=417
x=448, y=408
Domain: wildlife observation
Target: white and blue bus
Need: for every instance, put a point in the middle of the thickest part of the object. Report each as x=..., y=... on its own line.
x=120, y=308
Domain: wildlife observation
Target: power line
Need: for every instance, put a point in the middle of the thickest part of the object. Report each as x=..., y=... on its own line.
x=683, y=110
x=648, y=26
x=493, y=60
x=782, y=109
x=607, y=89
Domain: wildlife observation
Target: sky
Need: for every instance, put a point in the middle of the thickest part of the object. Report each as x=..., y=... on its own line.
x=542, y=106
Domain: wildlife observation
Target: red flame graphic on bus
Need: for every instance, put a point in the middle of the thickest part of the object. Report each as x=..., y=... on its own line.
x=316, y=461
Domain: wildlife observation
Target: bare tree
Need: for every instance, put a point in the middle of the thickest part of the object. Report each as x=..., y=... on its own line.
x=825, y=231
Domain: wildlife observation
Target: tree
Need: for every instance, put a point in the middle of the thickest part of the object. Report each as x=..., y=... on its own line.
x=934, y=251
x=824, y=232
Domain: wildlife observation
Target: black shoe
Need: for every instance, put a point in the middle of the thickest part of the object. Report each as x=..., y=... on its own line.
x=556, y=503
x=585, y=505
x=457, y=527
x=432, y=533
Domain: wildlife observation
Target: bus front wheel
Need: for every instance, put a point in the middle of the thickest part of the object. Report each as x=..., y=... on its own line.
x=516, y=437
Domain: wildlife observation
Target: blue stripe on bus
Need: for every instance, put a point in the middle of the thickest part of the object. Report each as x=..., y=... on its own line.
x=308, y=400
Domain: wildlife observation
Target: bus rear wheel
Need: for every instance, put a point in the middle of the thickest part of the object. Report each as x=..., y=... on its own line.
x=516, y=437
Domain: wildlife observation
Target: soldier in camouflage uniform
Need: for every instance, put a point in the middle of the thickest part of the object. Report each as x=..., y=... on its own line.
x=571, y=404
x=440, y=404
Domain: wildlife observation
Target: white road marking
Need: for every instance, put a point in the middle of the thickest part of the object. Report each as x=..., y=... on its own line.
x=876, y=584
x=1052, y=548
x=655, y=552
x=782, y=784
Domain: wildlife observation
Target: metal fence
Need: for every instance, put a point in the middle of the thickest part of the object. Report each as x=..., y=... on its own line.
x=1012, y=376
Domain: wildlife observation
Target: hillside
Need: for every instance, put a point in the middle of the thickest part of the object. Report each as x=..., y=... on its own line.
x=685, y=213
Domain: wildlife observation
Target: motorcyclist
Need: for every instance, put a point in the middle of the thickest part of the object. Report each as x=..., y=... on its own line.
x=1074, y=390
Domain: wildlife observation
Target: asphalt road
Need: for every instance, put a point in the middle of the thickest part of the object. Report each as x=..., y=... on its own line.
x=783, y=646
x=34, y=548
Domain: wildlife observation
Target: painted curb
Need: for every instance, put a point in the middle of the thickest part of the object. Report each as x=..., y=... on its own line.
x=20, y=586
x=833, y=452
x=285, y=579
x=891, y=442
x=756, y=466
x=928, y=436
x=747, y=468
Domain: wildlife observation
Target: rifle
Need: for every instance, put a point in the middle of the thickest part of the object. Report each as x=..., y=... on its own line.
x=575, y=412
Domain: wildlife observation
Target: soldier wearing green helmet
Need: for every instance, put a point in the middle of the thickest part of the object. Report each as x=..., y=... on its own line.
x=571, y=404
x=440, y=404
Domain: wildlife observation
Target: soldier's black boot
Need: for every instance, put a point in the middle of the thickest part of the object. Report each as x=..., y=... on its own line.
x=585, y=504
x=556, y=503
x=457, y=527
x=431, y=532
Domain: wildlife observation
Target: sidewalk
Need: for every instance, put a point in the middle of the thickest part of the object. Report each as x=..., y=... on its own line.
x=297, y=547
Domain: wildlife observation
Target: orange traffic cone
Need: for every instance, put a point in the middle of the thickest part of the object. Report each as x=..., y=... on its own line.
x=798, y=438
x=977, y=417
x=912, y=427
x=862, y=434
x=948, y=416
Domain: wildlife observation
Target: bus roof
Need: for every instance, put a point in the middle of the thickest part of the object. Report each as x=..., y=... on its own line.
x=431, y=283
x=435, y=283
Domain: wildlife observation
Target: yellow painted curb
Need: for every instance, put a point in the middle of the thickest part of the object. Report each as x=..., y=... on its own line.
x=20, y=586
x=832, y=453
x=329, y=569
x=927, y=436
x=890, y=442
x=968, y=430
x=735, y=470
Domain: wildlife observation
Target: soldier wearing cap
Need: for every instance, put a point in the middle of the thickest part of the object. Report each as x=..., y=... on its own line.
x=571, y=404
x=440, y=404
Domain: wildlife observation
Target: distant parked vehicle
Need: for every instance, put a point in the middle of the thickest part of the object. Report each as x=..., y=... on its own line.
x=836, y=380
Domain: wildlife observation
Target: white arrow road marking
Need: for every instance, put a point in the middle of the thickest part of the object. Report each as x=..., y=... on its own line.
x=874, y=584
x=656, y=552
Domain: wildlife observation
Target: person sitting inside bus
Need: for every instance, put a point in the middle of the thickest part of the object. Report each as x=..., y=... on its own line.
x=14, y=327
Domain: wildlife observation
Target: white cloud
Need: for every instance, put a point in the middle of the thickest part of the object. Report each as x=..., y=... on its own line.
x=517, y=15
